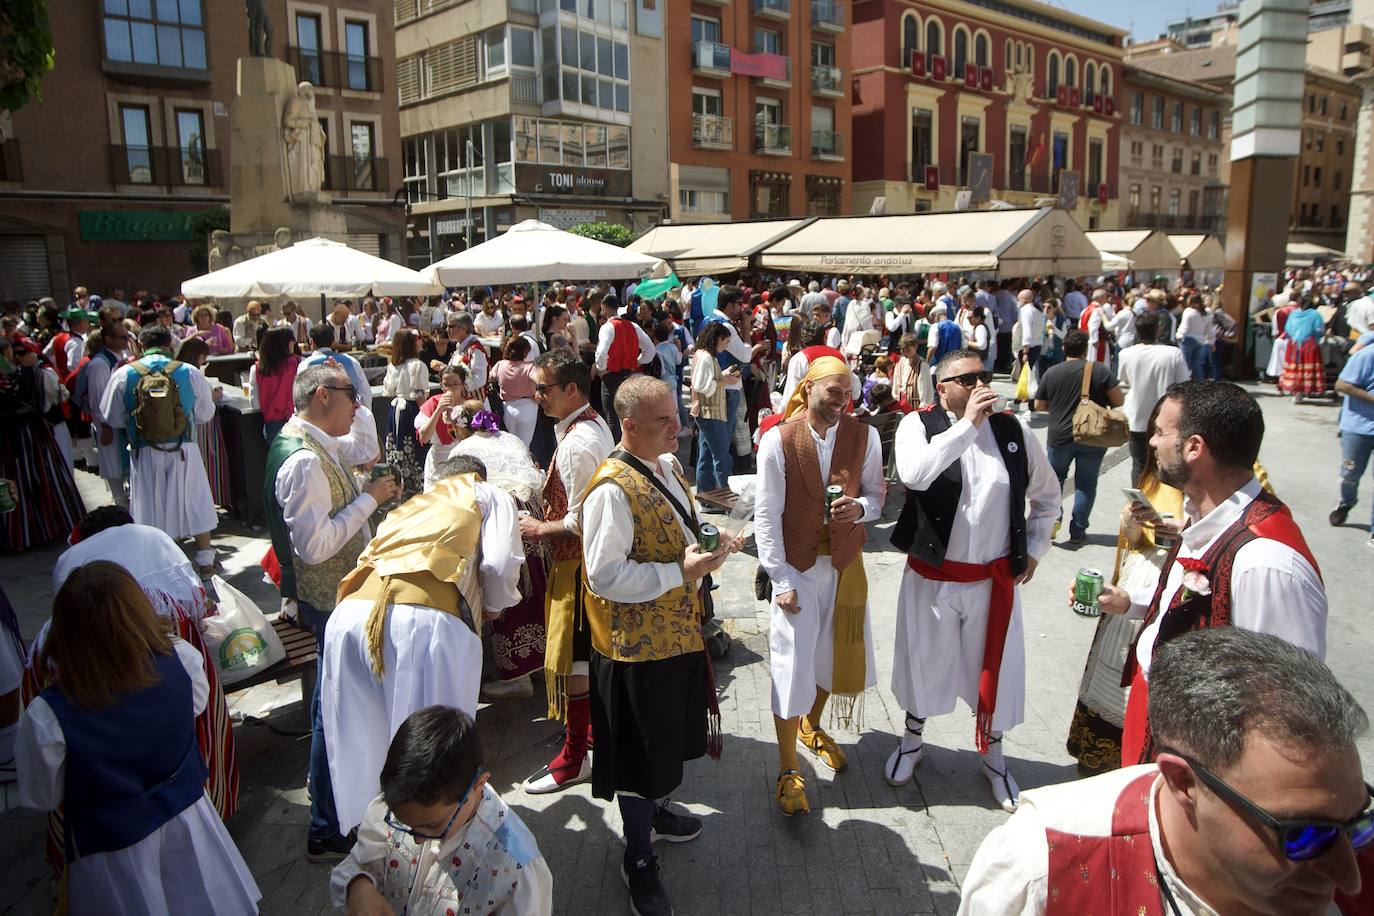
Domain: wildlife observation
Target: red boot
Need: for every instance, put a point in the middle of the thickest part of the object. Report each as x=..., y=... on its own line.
x=572, y=765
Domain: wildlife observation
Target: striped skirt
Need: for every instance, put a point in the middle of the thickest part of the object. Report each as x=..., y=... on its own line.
x=1303, y=370
x=48, y=502
x=210, y=440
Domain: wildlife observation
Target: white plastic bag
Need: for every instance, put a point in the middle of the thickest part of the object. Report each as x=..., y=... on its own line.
x=239, y=639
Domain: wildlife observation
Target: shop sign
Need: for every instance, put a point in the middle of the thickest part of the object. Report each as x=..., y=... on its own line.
x=451, y=226
x=566, y=219
x=135, y=226
x=536, y=179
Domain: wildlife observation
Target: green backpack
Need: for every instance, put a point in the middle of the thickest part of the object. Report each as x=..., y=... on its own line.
x=159, y=418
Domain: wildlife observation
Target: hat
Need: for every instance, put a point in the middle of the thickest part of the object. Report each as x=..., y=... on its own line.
x=794, y=282
x=1157, y=295
x=884, y=293
x=76, y=315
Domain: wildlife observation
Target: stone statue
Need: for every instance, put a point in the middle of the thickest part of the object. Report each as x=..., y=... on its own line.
x=259, y=29
x=304, y=139
x=281, y=238
x=223, y=251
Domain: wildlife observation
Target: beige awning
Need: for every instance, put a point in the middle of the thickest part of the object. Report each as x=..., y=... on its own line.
x=1010, y=243
x=1202, y=252
x=1148, y=250
x=698, y=249
x=1305, y=254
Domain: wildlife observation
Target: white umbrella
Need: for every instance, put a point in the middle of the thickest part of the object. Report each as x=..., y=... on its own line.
x=314, y=267
x=532, y=251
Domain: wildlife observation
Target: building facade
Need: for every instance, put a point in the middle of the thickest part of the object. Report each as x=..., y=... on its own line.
x=1174, y=143
x=522, y=110
x=758, y=108
x=1359, y=240
x=100, y=183
x=1321, y=196
x=1032, y=85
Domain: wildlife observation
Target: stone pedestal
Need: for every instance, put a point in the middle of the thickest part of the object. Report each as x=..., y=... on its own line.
x=257, y=169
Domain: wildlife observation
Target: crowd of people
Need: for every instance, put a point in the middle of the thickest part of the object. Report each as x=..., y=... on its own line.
x=525, y=514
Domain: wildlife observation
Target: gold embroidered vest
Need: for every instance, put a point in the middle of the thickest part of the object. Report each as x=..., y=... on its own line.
x=317, y=583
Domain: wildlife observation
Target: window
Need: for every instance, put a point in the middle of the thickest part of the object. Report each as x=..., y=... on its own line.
x=1336, y=179
x=707, y=102
x=594, y=139
x=1059, y=158
x=596, y=69
x=134, y=120
x=1105, y=81
x=1175, y=199
x=1177, y=165
x=1340, y=146
x=494, y=52
x=363, y=143
x=960, y=51
x=308, y=48
x=1306, y=176
x=1197, y=164
x=767, y=41
x=823, y=137
x=166, y=33
x=822, y=55
x=1193, y=200
x=934, y=37
x=922, y=142
x=191, y=145
x=1317, y=176
x=910, y=40
x=1195, y=125
x=1137, y=108
x=1006, y=56
x=1214, y=125
x=1336, y=217
x=969, y=131
x=822, y=200
x=1155, y=193
x=1070, y=71
x=1094, y=166
x=1321, y=106
x=1156, y=156
x=521, y=47
x=704, y=29
x=1134, y=205
x=980, y=50
x=769, y=131
x=1320, y=140
x=1016, y=158
x=1212, y=164
x=770, y=198
x=1343, y=111
x=1311, y=104
x=1089, y=83
x=617, y=147
x=1137, y=150
x=413, y=166
x=1052, y=76
x=1176, y=122
x=1157, y=114
x=355, y=48
x=690, y=201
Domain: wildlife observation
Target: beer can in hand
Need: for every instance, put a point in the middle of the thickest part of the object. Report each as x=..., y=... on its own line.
x=381, y=470
x=1087, y=588
x=708, y=538
x=832, y=493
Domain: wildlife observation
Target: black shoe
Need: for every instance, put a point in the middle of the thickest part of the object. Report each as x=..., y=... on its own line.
x=647, y=896
x=1337, y=516
x=334, y=849
x=673, y=827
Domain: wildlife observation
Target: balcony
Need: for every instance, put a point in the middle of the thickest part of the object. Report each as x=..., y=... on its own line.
x=1187, y=223
x=785, y=82
x=523, y=6
x=11, y=165
x=165, y=166
x=347, y=173
x=711, y=58
x=713, y=132
x=773, y=139
x=827, y=145
x=715, y=2
x=827, y=16
x=524, y=87
x=773, y=9
x=336, y=70
x=827, y=81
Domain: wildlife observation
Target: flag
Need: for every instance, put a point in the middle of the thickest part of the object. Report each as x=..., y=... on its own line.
x=1037, y=151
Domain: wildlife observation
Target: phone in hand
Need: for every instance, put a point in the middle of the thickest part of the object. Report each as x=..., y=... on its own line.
x=1139, y=499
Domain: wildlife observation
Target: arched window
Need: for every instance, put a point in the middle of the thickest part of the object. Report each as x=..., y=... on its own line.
x=1030, y=59
x=911, y=31
x=981, y=55
x=1070, y=71
x=1089, y=82
x=1006, y=53
x=960, y=51
x=934, y=37
x=1020, y=54
x=1052, y=76
x=1105, y=81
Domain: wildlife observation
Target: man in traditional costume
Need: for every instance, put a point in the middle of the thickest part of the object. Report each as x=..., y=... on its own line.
x=969, y=474
x=318, y=520
x=406, y=632
x=1256, y=803
x=562, y=389
x=1241, y=559
x=168, y=486
x=653, y=697
x=820, y=642
x=110, y=442
x=470, y=352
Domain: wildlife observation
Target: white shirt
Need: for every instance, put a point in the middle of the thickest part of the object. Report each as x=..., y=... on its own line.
x=832, y=338
x=772, y=494
x=1273, y=588
x=1032, y=325
x=580, y=452
x=1193, y=324
x=476, y=361
x=1146, y=371
x=796, y=374
x=485, y=325
x=1122, y=324
x=1074, y=304
x=608, y=533
x=350, y=326
x=1359, y=314
x=406, y=382
x=534, y=346
x=303, y=492
x=246, y=331
x=981, y=532
x=1095, y=321
x=606, y=336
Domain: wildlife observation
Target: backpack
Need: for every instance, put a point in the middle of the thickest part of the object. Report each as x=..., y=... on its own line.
x=158, y=415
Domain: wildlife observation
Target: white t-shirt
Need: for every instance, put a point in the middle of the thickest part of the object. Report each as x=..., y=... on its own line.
x=1147, y=371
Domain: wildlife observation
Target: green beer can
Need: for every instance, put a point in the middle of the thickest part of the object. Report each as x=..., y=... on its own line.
x=1087, y=587
x=832, y=493
x=708, y=538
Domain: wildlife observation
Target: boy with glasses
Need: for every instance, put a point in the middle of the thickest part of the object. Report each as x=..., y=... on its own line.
x=438, y=838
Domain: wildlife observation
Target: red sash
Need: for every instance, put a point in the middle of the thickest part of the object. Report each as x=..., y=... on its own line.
x=1000, y=604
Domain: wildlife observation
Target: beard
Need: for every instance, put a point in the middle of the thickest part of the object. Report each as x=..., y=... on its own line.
x=1174, y=472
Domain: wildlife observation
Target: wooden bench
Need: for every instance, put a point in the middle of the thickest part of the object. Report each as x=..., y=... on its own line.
x=724, y=499
x=299, y=643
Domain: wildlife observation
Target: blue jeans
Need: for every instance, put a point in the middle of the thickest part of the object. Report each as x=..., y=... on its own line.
x=734, y=403
x=324, y=820
x=1087, y=462
x=713, y=454
x=1196, y=353
x=1355, y=451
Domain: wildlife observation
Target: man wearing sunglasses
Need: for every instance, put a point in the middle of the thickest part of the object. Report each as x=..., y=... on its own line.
x=971, y=475
x=1256, y=803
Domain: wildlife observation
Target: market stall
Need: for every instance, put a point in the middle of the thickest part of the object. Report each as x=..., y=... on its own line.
x=531, y=252
x=698, y=249
x=1202, y=254
x=1147, y=250
x=1307, y=254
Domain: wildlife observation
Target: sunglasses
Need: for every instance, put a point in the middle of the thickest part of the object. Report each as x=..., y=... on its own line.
x=443, y=834
x=1302, y=839
x=352, y=391
x=969, y=379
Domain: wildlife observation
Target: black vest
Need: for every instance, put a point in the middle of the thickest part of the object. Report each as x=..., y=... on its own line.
x=923, y=528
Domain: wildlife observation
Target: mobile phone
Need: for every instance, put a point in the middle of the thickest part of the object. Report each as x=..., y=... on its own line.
x=1139, y=499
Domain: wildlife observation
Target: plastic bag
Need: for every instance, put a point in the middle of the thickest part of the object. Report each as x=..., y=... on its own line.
x=239, y=638
x=1023, y=383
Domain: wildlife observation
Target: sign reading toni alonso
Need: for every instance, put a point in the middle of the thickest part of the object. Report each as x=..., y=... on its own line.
x=135, y=226
x=545, y=179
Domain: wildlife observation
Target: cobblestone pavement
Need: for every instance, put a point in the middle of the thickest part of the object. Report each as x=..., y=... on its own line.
x=866, y=847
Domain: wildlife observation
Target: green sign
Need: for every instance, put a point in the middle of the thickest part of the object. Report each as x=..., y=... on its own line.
x=135, y=226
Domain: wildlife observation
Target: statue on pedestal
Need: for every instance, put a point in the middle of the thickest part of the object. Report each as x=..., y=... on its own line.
x=223, y=251
x=304, y=139
x=259, y=29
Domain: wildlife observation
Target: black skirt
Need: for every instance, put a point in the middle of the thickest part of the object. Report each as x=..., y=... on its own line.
x=647, y=719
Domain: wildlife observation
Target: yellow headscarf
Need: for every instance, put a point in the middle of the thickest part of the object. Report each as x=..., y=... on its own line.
x=820, y=367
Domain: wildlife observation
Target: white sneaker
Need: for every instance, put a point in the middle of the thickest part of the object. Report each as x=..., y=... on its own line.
x=901, y=765
x=1004, y=787
x=515, y=688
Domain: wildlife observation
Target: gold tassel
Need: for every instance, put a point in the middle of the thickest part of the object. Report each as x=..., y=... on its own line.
x=376, y=629
x=556, y=685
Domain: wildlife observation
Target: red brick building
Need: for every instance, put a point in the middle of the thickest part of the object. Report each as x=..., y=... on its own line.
x=1033, y=85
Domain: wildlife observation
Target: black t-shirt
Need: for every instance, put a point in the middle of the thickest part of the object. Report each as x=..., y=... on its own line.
x=1062, y=385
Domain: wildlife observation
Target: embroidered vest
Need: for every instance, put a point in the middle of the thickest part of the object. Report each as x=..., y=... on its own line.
x=473, y=343
x=669, y=625
x=804, y=508
x=712, y=407
x=315, y=584
x=927, y=518
x=556, y=499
